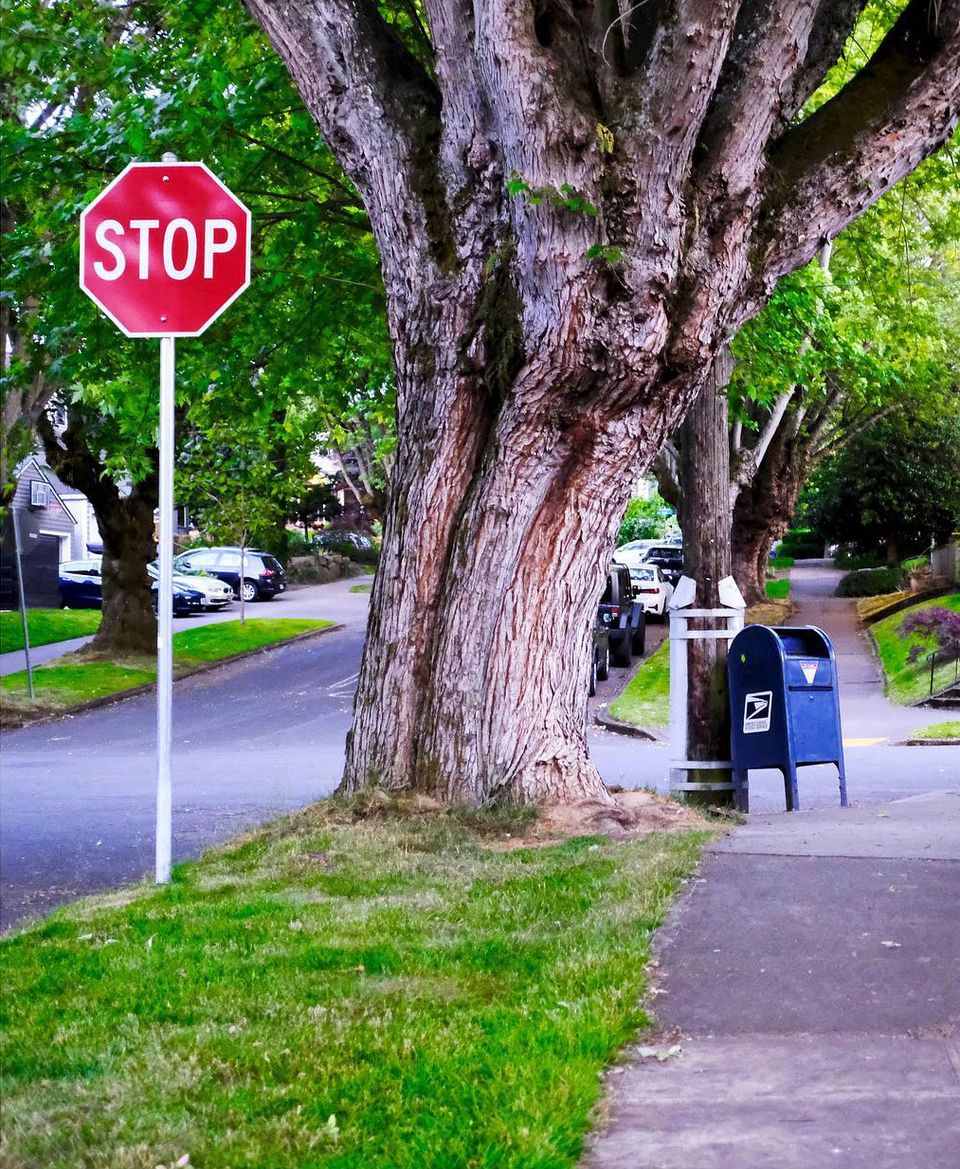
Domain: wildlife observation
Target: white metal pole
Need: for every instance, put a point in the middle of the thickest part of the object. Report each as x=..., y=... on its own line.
x=165, y=614
x=18, y=553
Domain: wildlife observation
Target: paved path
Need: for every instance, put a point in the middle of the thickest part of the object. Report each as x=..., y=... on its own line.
x=866, y=712
x=810, y=975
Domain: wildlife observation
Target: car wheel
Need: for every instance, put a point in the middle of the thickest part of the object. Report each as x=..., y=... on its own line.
x=603, y=667
x=638, y=642
x=621, y=650
x=592, y=688
x=249, y=590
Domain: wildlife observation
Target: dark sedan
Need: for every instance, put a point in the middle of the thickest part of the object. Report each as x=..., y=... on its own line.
x=80, y=588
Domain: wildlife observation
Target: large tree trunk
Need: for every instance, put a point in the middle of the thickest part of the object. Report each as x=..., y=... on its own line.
x=765, y=507
x=705, y=517
x=574, y=205
x=125, y=520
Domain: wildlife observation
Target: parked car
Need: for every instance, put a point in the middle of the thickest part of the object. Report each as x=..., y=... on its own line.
x=81, y=588
x=600, y=660
x=669, y=558
x=653, y=589
x=263, y=575
x=80, y=584
x=622, y=615
x=214, y=594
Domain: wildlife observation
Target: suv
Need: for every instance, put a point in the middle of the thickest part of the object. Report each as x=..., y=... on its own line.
x=622, y=615
x=669, y=558
x=263, y=575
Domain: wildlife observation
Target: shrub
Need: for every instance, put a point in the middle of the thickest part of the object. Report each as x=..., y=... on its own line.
x=853, y=560
x=870, y=582
x=354, y=545
x=937, y=622
x=802, y=544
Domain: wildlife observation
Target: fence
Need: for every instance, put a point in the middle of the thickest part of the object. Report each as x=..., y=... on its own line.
x=945, y=560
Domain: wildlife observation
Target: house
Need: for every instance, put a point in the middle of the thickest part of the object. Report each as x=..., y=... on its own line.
x=54, y=523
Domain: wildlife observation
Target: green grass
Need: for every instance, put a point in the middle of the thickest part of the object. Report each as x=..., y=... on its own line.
x=783, y=562
x=46, y=626
x=70, y=680
x=778, y=590
x=361, y=588
x=337, y=992
x=948, y=730
x=210, y=643
x=646, y=700
x=908, y=682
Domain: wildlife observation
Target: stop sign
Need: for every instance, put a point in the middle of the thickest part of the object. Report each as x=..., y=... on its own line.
x=164, y=249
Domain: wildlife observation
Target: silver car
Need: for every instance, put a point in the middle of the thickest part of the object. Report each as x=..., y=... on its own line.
x=216, y=594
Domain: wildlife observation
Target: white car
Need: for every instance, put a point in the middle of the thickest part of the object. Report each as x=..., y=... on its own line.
x=651, y=589
x=216, y=594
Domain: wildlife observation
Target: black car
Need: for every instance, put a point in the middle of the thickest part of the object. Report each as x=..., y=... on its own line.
x=600, y=659
x=621, y=614
x=263, y=575
x=669, y=557
x=81, y=588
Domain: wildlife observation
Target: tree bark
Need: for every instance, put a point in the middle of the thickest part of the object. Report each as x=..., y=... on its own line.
x=129, y=624
x=705, y=491
x=573, y=212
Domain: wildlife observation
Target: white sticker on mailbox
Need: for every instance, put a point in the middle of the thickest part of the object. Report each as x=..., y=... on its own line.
x=756, y=712
x=809, y=671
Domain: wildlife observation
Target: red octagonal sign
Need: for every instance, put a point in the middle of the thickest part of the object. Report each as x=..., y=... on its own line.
x=164, y=249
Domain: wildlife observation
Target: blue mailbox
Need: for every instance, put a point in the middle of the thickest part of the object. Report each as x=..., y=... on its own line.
x=784, y=706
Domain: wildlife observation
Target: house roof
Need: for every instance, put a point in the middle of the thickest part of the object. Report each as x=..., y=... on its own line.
x=57, y=486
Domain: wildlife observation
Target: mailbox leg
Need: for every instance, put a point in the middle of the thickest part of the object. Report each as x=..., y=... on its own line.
x=790, y=787
x=843, y=783
x=741, y=791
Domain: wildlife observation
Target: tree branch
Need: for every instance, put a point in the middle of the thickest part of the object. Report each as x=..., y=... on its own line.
x=378, y=109
x=898, y=109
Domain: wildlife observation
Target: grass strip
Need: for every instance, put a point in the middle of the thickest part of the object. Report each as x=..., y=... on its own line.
x=909, y=681
x=778, y=590
x=211, y=643
x=948, y=730
x=70, y=680
x=46, y=626
x=365, y=588
x=350, y=988
x=646, y=700
x=783, y=562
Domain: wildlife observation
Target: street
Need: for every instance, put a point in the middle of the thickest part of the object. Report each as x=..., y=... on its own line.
x=265, y=735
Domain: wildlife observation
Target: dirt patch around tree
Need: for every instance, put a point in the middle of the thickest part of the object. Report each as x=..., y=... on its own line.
x=632, y=815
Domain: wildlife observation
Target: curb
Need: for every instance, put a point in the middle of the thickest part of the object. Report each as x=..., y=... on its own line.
x=930, y=743
x=603, y=719
x=203, y=668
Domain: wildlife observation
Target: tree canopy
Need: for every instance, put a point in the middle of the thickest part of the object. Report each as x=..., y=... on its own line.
x=87, y=88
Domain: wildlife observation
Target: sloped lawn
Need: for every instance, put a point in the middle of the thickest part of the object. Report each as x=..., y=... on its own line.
x=908, y=682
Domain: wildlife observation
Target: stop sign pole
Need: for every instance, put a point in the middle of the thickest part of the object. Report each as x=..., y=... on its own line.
x=164, y=249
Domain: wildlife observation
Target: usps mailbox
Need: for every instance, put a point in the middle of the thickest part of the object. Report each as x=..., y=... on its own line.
x=784, y=706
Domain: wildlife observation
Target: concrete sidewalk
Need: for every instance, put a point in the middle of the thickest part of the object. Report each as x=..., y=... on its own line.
x=807, y=985
x=811, y=976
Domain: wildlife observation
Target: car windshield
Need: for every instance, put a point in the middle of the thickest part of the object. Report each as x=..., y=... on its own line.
x=643, y=574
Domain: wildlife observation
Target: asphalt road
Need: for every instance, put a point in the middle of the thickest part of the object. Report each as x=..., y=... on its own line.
x=266, y=735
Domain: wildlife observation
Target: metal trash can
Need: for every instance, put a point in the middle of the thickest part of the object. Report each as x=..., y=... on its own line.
x=784, y=706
